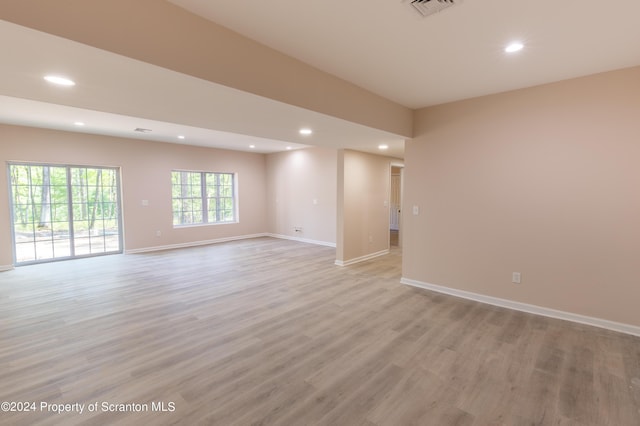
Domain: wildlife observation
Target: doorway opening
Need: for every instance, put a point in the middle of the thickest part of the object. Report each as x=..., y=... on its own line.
x=64, y=212
x=395, y=204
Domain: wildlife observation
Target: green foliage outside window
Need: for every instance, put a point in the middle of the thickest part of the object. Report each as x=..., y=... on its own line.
x=202, y=197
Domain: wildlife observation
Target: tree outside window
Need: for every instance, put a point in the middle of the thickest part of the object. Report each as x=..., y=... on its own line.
x=203, y=197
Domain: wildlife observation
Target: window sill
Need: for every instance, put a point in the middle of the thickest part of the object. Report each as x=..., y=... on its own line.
x=199, y=225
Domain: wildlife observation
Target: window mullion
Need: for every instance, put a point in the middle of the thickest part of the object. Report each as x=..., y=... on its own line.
x=218, y=205
x=72, y=233
x=204, y=198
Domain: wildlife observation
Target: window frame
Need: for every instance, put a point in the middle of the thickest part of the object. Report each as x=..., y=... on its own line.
x=69, y=206
x=204, y=199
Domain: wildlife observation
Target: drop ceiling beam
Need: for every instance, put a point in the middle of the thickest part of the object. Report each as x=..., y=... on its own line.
x=163, y=34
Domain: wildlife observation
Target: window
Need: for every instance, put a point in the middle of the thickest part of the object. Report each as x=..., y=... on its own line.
x=64, y=212
x=202, y=197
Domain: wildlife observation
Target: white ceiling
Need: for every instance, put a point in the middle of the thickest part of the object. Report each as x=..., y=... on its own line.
x=388, y=48
x=381, y=45
x=114, y=95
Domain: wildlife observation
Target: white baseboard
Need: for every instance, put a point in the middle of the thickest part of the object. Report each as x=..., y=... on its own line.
x=361, y=258
x=524, y=307
x=5, y=268
x=193, y=244
x=302, y=240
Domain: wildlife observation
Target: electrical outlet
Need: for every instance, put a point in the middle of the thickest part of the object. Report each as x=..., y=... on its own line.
x=158, y=233
x=515, y=277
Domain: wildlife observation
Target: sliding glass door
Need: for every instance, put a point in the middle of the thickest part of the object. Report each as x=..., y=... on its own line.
x=64, y=212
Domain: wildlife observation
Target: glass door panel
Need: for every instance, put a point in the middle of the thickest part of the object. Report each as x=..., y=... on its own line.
x=64, y=211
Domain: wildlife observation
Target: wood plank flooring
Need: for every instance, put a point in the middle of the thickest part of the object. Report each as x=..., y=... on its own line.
x=270, y=332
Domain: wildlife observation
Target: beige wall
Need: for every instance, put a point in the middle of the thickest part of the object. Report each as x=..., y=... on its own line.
x=301, y=192
x=276, y=192
x=145, y=169
x=544, y=181
x=203, y=49
x=363, y=210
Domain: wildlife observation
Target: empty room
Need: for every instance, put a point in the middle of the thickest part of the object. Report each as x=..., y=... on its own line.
x=399, y=212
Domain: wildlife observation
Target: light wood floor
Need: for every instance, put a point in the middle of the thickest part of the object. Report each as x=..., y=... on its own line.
x=394, y=238
x=269, y=331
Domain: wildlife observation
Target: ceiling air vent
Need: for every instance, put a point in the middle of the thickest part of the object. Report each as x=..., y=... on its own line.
x=429, y=7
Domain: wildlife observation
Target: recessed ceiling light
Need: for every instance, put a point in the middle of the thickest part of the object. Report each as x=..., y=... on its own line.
x=61, y=81
x=288, y=148
x=383, y=147
x=79, y=123
x=514, y=47
x=306, y=131
x=181, y=137
x=252, y=146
